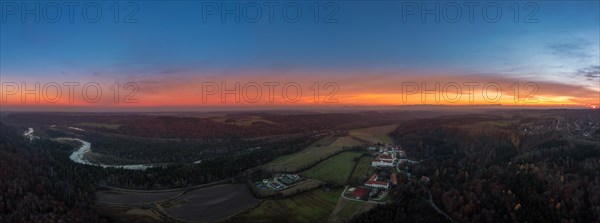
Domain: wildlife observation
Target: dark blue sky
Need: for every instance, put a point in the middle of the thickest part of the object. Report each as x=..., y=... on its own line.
x=172, y=38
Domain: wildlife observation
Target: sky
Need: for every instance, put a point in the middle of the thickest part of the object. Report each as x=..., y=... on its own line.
x=303, y=53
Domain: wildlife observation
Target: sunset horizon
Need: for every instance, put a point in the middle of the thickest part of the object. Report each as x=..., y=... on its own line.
x=365, y=54
x=311, y=111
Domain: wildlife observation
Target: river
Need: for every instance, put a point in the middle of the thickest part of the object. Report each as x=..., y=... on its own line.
x=29, y=134
x=78, y=156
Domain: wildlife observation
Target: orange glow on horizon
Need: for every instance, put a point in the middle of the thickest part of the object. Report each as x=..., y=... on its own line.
x=351, y=90
x=359, y=99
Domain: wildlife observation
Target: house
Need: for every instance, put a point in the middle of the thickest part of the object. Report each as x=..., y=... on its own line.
x=394, y=179
x=373, y=177
x=385, y=157
x=377, y=184
x=288, y=179
x=382, y=163
x=361, y=193
x=383, y=160
x=372, y=182
x=275, y=185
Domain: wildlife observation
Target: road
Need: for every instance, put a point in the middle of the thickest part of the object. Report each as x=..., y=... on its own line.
x=434, y=206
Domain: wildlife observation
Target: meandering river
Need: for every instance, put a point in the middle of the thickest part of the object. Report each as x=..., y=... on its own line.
x=79, y=155
x=29, y=134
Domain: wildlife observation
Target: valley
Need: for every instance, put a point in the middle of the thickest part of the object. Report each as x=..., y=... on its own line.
x=341, y=172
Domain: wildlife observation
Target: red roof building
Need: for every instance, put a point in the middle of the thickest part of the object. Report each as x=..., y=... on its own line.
x=385, y=157
x=372, y=182
x=361, y=193
x=373, y=177
x=394, y=179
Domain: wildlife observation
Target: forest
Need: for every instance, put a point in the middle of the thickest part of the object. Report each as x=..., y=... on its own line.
x=37, y=188
x=517, y=166
x=489, y=168
x=39, y=182
x=228, y=126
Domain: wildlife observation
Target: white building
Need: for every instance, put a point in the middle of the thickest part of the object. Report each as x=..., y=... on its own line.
x=383, y=161
x=372, y=182
x=378, y=184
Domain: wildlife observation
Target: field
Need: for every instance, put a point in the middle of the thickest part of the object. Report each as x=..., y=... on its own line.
x=363, y=169
x=211, y=204
x=132, y=198
x=349, y=209
x=335, y=170
x=377, y=134
x=305, y=185
x=314, y=153
x=204, y=204
x=302, y=186
x=346, y=209
x=313, y=206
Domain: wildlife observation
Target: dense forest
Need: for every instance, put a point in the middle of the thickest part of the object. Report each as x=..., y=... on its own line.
x=226, y=126
x=36, y=188
x=119, y=149
x=173, y=175
x=492, y=168
x=39, y=183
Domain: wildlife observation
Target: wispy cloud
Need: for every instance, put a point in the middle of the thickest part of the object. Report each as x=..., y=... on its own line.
x=577, y=48
x=590, y=73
